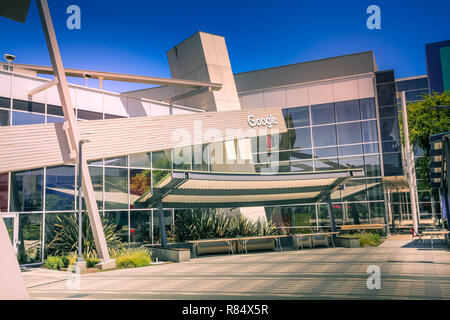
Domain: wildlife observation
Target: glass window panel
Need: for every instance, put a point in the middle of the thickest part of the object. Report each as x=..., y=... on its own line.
x=30, y=238
x=377, y=212
x=168, y=222
x=287, y=118
x=350, y=150
x=389, y=129
x=116, y=188
x=53, y=223
x=370, y=131
x=4, y=117
x=9, y=224
x=390, y=111
x=371, y=148
x=300, y=138
x=89, y=115
x=27, y=190
x=301, y=154
x=324, y=136
x=357, y=213
x=55, y=110
x=117, y=162
x=304, y=215
x=375, y=189
x=322, y=113
x=22, y=118
x=372, y=166
x=326, y=164
x=411, y=84
x=354, y=190
x=95, y=162
x=60, y=188
x=200, y=158
x=297, y=166
x=283, y=141
x=324, y=218
x=120, y=220
x=4, y=191
x=159, y=176
x=140, y=160
x=325, y=152
x=182, y=157
x=51, y=119
x=28, y=106
x=348, y=133
x=384, y=76
x=424, y=196
x=391, y=146
x=96, y=174
x=161, y=160
x=347, y=110
x=140, y=227
x=112, y=116
x=5, y=102
x=386, y=94
x=367, y=107
x=351, y=162
x=392, y=164
x=401, y=85
x=140, y=187
x=422, y=83
x=299, y=116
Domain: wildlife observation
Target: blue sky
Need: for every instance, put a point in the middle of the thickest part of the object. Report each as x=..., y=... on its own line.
x=133, y=36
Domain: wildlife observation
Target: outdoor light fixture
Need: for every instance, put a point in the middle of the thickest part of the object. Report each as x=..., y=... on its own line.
x=80, y=202
x=86, y=77
x=9, y=58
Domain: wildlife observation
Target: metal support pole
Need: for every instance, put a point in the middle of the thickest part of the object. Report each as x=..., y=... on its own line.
x=80, y=201
x=331, y=212
x=162, y=224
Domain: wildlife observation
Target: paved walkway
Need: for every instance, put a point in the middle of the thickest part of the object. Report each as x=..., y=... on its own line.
x=321, y=273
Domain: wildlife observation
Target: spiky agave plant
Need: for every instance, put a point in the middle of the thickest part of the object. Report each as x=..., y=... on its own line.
x=65, y=238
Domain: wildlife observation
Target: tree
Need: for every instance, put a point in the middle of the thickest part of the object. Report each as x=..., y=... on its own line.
x=425, y=120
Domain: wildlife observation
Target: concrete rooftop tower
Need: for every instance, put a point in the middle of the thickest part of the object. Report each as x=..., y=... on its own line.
x=204, y=56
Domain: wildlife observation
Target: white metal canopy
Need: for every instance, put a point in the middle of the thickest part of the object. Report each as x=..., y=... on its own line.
x=184, y=189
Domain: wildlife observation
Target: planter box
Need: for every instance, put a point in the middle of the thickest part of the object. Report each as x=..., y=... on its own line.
x=170, y=254
x=347, y=242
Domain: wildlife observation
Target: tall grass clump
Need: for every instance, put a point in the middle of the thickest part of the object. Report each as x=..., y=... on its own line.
x=132, y=258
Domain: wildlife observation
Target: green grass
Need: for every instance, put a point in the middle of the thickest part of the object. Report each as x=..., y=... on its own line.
x=54, y=263
x=132, y=258
x=366, y=239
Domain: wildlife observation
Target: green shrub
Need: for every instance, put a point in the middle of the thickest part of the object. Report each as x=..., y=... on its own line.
x=54, y=263
x=91, y=262
x=366, y=239
x=132, y=258
x=209, y=224
x=65, y=260
x=63, y=231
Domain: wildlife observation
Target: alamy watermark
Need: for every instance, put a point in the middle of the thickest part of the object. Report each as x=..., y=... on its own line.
x=374, y=20
x=374, y=280
x=74, y=20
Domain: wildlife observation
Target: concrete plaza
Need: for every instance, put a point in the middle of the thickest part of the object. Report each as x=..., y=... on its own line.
x=409, y=270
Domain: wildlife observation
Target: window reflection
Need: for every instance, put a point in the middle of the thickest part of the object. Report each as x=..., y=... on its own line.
x=322, y=113
x=347, y=110
x=27, y=190
x=140, y=187
x=116, y=188
x=60, y=188
x=23, y=118
x=4, y=117
x=349, y=133
x=324, y=136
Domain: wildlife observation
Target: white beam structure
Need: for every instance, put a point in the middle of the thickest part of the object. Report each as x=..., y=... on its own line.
x=410, y=164
x=102, y=75
x=73, y=135
x=12, y=286
x=43, y=87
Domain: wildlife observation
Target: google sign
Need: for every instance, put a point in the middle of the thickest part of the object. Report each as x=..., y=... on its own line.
x=261, y=122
